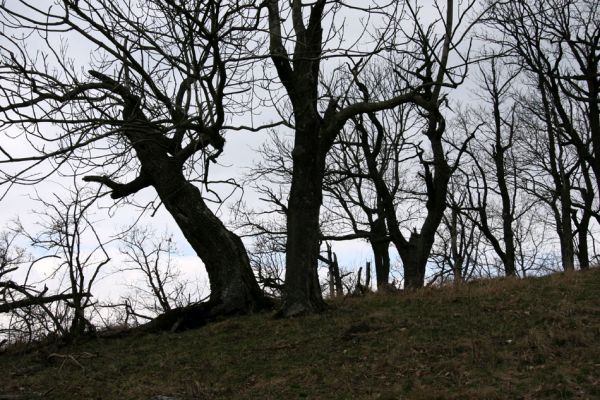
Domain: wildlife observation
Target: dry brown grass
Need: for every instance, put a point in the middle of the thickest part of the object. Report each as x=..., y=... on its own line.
x=502, y=339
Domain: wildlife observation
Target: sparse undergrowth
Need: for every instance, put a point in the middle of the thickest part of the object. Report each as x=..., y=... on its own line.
x=504, y=339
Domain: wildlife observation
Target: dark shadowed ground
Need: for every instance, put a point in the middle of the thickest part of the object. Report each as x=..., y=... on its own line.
x=504, y=339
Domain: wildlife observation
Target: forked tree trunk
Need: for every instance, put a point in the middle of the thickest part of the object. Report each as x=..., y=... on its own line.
x=414, y=261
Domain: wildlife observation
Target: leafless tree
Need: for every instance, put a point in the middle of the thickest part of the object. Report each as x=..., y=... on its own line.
x=67, y=232
x=494, y=166
x=298, y=50
x=63, y=307
x=457, y=251
x=352, y=201
x=552, y=169
x=557, y=42
x=151, y=110
x=268, y=262
x=349, y=213
x=163, y=287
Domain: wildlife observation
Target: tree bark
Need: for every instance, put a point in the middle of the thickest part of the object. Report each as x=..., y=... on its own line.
x=380, y=245
x=414, y=266
x=303, y=291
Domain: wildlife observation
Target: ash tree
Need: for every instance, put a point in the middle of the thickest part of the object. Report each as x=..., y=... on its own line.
x=147, y=110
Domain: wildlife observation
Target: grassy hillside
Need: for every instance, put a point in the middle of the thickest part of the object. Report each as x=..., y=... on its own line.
x=506, y=339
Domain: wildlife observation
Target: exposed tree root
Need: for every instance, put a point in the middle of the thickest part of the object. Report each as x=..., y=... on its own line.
x=197, y=315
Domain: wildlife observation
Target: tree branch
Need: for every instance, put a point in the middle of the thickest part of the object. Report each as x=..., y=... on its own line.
x=120, y=190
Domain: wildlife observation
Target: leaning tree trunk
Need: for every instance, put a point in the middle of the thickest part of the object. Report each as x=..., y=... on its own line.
x=234, y=288
x=232, y=284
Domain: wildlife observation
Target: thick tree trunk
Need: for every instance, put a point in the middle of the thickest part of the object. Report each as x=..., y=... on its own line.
x=382, y=263
x=233, y=287
x=414, y=265
x=299, y=74
x=302, y=288
x=565, y=231
x=232, y=283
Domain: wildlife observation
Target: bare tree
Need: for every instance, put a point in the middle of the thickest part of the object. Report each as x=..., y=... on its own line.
x=150, y=111
x=457, y=252
x=64, y=307
x=67, y=232
x=350, y=211
x=494, y=166
x=557, y=41
x=558, y=164
x=353, y=201
x=144, y=252
x=318, y=118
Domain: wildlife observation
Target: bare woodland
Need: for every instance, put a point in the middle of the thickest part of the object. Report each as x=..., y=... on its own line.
x=460, y=139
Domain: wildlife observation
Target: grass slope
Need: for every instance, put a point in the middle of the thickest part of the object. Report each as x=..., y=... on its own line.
x=503, y=339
